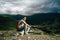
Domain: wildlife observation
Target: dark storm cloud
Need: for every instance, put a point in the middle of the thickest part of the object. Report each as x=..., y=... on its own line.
x=29, y=7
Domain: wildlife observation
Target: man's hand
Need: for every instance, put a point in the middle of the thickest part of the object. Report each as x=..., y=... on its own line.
x=29, y=26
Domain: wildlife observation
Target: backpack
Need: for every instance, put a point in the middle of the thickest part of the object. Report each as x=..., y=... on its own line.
x=17, y=24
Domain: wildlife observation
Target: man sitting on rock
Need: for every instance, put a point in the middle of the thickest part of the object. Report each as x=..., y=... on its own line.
x=23, y=27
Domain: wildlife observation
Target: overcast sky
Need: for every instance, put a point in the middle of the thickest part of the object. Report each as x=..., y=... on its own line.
x=29, y=7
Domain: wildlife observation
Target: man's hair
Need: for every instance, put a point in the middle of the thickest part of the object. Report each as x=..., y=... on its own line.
x=24, y=17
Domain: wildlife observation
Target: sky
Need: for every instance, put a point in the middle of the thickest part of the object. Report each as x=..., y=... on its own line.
x=29, y=7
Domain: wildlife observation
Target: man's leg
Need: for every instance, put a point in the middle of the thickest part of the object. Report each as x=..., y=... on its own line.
x=26, y=29
x=21, y=30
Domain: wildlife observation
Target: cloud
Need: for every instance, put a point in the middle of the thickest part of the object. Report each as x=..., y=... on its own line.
x=29, y=7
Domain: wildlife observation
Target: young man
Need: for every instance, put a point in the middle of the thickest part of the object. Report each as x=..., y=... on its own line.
x=23, y=26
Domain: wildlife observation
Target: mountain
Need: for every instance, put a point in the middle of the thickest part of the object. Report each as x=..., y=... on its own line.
x=16, y=17
x=48, y=22
x=38, y=18
x=44, y=18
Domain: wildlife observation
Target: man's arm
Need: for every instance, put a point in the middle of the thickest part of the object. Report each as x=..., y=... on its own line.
x=26, y=23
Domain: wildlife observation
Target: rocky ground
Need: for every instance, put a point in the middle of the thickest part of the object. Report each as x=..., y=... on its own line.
x=31, y=37
x=34, y=35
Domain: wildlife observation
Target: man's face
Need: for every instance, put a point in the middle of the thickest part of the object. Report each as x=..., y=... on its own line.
x=24, y=18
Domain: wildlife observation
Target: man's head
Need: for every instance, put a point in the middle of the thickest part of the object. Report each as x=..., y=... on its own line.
x=24, y=18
